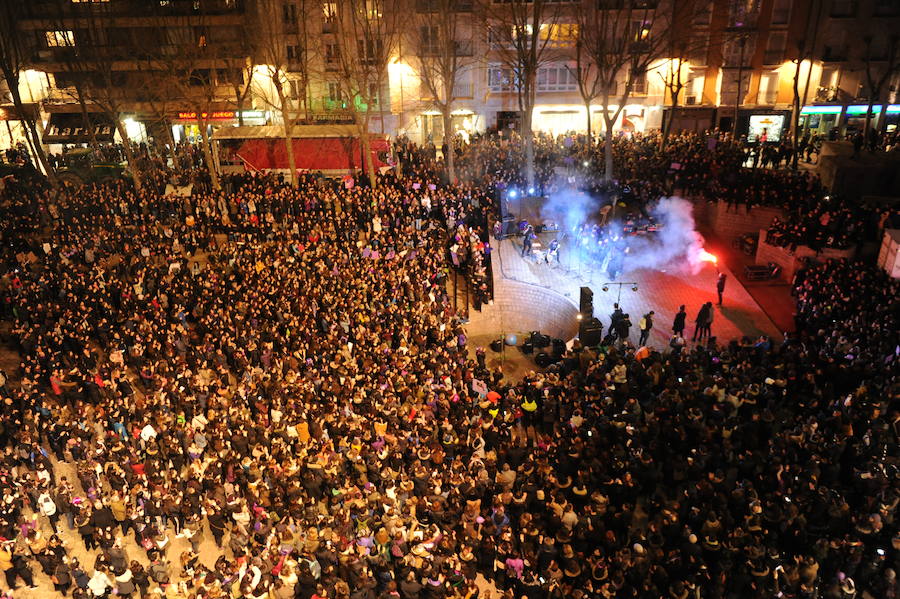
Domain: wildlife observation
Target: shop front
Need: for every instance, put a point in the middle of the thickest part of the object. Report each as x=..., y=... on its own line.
x=77, y=128
x=835, y=119
x=185, y=127
x=463, y=122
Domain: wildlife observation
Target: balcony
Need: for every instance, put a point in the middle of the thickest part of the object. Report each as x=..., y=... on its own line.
x=463, y=89
x=434, y=6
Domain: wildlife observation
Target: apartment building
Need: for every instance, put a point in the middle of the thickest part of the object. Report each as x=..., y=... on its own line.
x=161, y=64
x=149, y=64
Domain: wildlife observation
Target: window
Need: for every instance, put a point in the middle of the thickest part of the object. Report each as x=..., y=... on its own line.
x=739, y=50
x=370, y=51
x=729, y=90
x=639, y=83
x=373, y=95
x=836, y=46
x=462, y=86
x=768, y=88
x=289, y=12
x=640, y=30
x=698, y=51
x=886, y=8
x=200, y=78
x=373, y=9
x=60, y=39
x=293, y=53
x=556, y=78
x=559, y=34
x=775, y=48
x=843, y=8
x=429, y=37
x=334, y=91
x=295, y=88
x=781, y=12
x=693, y=89
x=332, y=57
x=329, y=17
x=501, y=79
x=743, y=13
x=703, y=13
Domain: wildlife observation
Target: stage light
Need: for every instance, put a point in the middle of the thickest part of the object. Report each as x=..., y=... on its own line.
x=579, y=316
x=605, y=288
x=586, y=163
x=634, y=288
x=531, y=191
x=513, y=193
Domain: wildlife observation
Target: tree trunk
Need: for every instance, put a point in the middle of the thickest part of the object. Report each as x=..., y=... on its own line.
x=171, y=139
x=590, y=133
x=208, y=154
x=87, y=119
x=868, y=118
x=129, y=155
x=608, y=151
x=365, y=142
x=528, y=138
x=795, y=118
x=667, y=129
x=31, y=133
x=450, y=157
x=289, y=143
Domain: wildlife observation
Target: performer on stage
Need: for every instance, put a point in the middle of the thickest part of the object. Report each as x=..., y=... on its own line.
x=529, y=238
x=552, y=252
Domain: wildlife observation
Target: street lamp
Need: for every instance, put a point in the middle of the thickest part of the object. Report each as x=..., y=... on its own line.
x=634, y=287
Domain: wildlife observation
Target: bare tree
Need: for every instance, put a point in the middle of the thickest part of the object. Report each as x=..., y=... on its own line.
x=622, y=39
x=201, y=71
x=441, y=57
x=13, y=59
x=521, y=32
x=804, y=47
x=588, y=80
x=366, y=36
x=679, y=46
x=285, y=61
x=91, y=66
x=880, y=65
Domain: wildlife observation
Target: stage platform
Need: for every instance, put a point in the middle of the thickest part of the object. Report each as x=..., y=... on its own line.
x=527, y=278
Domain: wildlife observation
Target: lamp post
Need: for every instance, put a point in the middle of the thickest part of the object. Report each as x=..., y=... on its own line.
x=634, y=287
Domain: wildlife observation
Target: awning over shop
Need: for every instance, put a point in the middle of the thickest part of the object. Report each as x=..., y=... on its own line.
x=69, y=128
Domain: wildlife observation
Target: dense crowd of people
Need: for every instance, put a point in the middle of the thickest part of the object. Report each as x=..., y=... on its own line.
x=273, y=381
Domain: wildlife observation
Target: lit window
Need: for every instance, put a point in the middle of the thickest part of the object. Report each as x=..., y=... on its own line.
x=60, y=39
x=559, y=34
x=556, y=78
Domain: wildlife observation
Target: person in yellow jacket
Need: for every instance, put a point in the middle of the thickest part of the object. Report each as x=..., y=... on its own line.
x=11, y=570
x=529, y=410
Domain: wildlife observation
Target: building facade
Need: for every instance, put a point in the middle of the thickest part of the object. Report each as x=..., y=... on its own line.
x=169, y=67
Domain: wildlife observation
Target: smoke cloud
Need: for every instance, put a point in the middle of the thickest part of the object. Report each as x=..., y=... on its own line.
x=674, y=246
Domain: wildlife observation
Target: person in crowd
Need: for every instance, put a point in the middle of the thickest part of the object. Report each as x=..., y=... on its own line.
x=309, y=397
